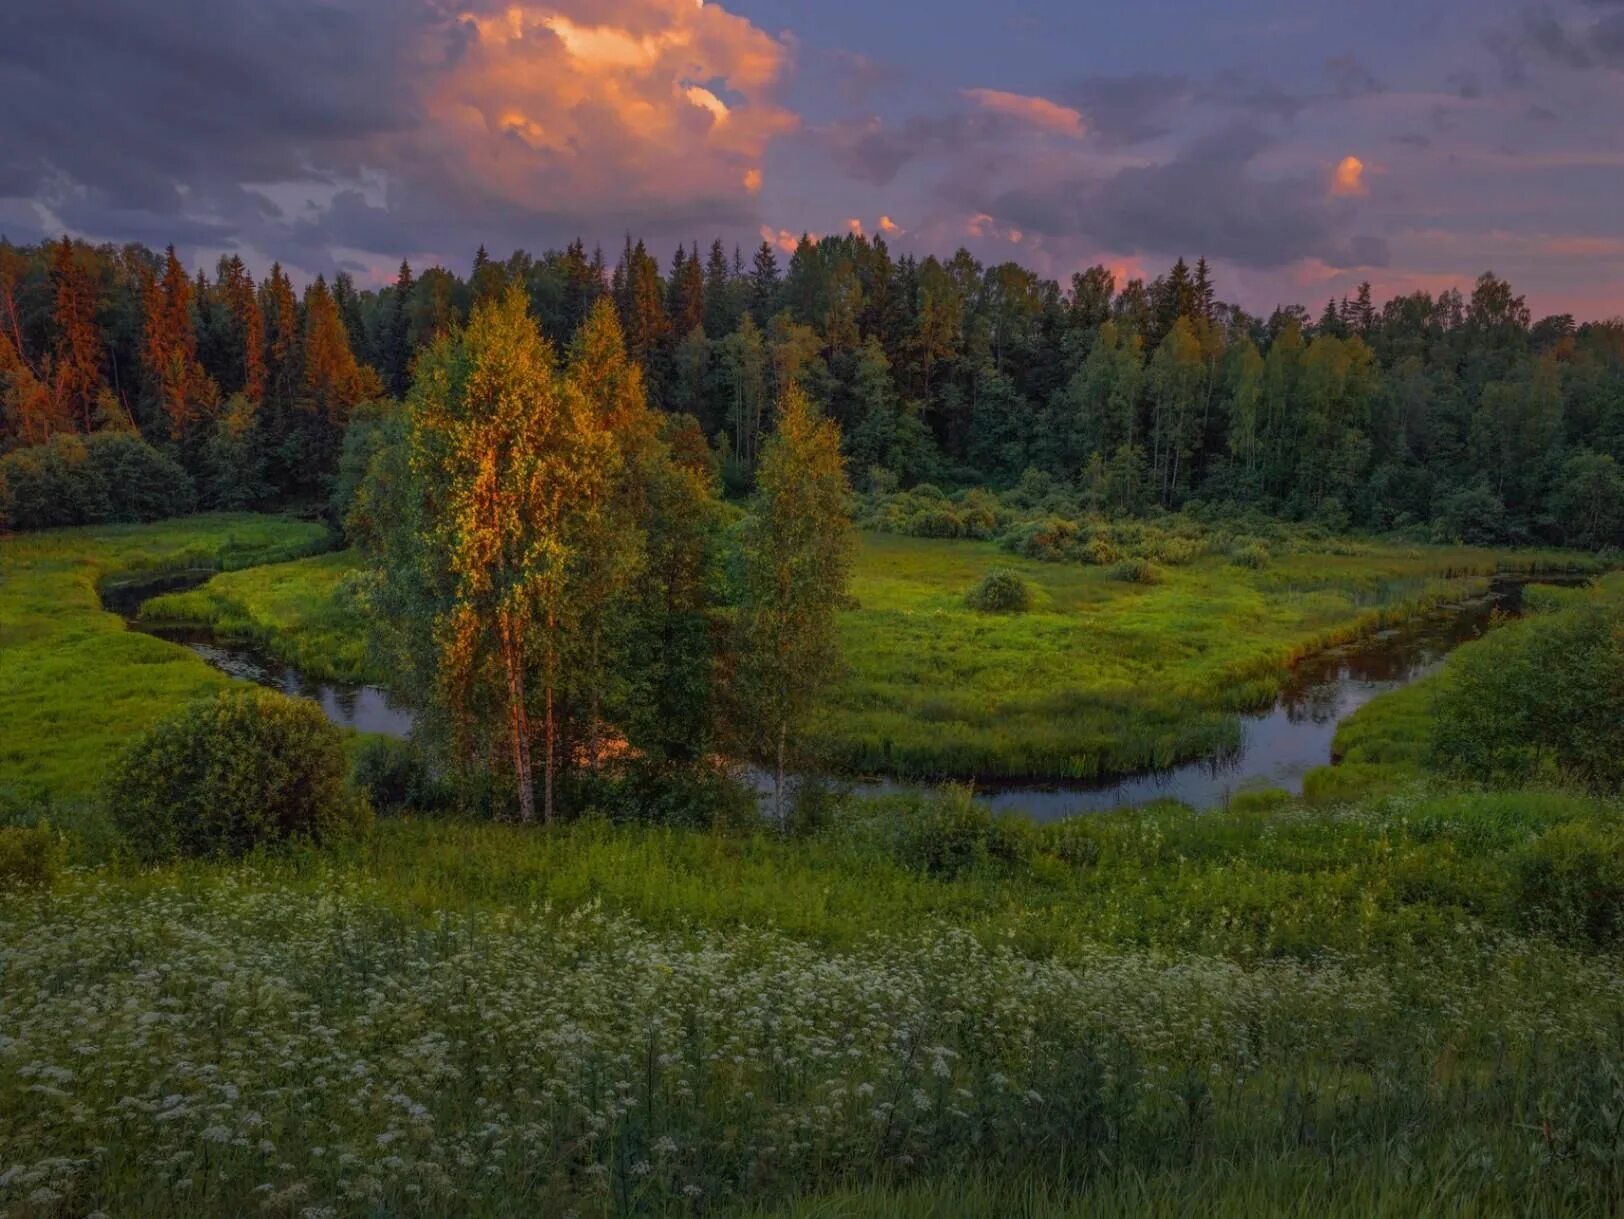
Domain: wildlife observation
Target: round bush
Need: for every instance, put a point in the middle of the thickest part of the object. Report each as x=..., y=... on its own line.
x=1569, y=883
x=1254, y=556
x=1001, y=591
x=230, y=772
x=1137, y=571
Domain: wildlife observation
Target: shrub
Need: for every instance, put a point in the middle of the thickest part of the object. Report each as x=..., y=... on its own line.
x=393, y=774
x=1570, y=883
x=74, y=480
x=1052, y=538
x=1254, y=555
x=227, y=773
x=1137, y=571
x=1001, y=591
x=30, y=857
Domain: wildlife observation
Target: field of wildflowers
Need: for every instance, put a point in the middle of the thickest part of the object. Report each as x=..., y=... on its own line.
x=356, y=1032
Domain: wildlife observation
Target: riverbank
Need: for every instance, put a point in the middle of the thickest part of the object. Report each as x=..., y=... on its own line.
x=1104, y=677
x=75, y=684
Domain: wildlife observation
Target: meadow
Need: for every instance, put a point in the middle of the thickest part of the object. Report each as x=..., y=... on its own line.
x=74, y=682
x=1382, y=1009
x=1102, y=676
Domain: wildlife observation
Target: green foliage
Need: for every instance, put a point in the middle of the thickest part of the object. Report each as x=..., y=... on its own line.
x=74, y=683
x=1137, y=571
x=1251, y=555
x=1000, y=591
x=107, y=476
x=1545, y=691
x=1570, y=883
x=30, y=857
x=244, y=768
x=395, y=776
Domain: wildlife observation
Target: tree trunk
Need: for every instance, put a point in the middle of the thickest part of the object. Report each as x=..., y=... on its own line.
x=519, y=723
x=552, y=751
x=778, y=783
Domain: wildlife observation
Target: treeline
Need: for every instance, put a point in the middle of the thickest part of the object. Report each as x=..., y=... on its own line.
x=1460, y=413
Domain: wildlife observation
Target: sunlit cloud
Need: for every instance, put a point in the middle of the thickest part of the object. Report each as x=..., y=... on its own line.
x=1349, y=177
x=855, y=225
x=580, y=104
x=1036, y=111
x=888, y=225
x=784, y=239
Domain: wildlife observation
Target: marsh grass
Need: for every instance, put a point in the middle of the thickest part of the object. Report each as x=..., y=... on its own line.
x=75, y=684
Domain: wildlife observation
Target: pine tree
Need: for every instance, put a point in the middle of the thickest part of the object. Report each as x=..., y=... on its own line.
x=764, y=286
x=397, y=355
x=720, y=313
x=77, y=343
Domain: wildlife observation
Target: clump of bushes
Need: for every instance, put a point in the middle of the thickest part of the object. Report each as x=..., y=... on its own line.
x=1569, y=883
x=225, y=774
x=395, y=775
x=1253, y=555
x=1001, y=591
x=1544, y=692
x=90, y=480
x=1137, y=571
x=30, y=857
x=949, y=833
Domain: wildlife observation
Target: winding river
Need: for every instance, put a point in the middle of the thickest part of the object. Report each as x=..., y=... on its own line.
x=1278, y=745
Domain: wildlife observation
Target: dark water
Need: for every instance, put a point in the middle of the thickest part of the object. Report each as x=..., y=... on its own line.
x=362, y=707
x=1278, y=746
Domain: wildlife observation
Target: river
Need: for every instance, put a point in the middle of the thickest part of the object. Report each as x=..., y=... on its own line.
x=1278, y=746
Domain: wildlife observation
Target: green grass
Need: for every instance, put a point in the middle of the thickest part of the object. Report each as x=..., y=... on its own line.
x=1102, y=676
x=1280, y=1013
x=74, y=683
x=299, y=610
x=1387, y=743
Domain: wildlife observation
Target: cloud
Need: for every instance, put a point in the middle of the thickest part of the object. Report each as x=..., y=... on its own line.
x=1124, y=110
x=1037, y=112
x=294, y=127
x=1350, y=77
x=887, y=225
x=1348, y=178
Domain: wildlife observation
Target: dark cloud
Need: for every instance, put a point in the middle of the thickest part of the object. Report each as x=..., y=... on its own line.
x=1546, y=35
x=1240, y=89
x=1205, y=199
x=1350, y=78
x=1124, y=110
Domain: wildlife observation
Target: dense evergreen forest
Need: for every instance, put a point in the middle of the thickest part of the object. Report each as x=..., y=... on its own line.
x=1461, y=417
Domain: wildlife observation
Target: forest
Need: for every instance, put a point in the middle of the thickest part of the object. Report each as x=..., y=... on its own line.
x=863, y=738
x=1459, y=417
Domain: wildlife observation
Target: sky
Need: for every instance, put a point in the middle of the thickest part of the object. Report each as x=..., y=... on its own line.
x=1300, y=146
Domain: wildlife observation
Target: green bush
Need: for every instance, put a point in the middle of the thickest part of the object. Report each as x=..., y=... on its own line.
x=394, y=775
x=1000, y=591
x=1254, y=555
x=1137, y=571
x=88, y=480
x=227, y=773
x=1569, y=883
x=30, y=857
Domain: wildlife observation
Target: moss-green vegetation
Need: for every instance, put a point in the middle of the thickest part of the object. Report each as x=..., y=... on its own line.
x=74, y=683
x=1156, y=1008
x=1104, y=675
x=301, y=611
x=1391, y=740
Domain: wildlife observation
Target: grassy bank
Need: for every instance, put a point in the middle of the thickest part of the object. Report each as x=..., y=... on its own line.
x=74, y=683
x=1388, y=742
x=300, y=611
x=1273, y=1013
x=1103, y=676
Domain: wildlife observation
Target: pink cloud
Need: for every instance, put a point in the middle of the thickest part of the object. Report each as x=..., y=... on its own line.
x=1348, y=178
x=583, y=104
x=1036, y=111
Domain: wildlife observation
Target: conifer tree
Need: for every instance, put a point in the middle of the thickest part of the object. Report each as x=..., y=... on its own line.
x=77, y=343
